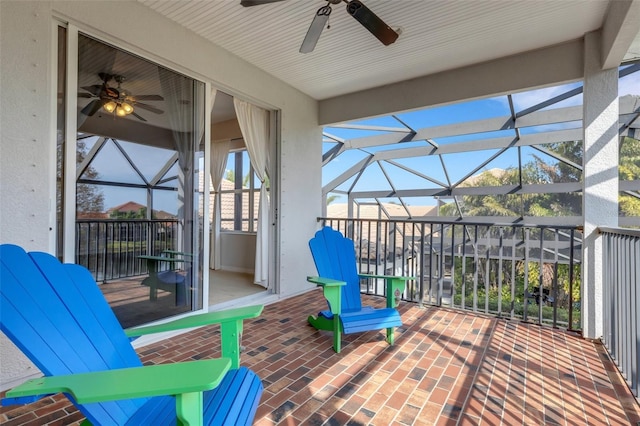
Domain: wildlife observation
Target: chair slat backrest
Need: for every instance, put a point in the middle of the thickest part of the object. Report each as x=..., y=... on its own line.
x=335, y=258
x=57, y=316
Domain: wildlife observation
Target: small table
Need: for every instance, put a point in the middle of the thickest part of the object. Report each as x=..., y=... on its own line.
x=167, y=280
x=178, y=253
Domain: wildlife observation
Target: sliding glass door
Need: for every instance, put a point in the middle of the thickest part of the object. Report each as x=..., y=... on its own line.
x=138, y=171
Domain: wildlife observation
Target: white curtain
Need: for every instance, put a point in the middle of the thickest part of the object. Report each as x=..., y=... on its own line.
x=182, y=96
x=219, y=154
x=254, y=124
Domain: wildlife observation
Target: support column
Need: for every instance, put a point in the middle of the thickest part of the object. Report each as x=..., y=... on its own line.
x=600, y=177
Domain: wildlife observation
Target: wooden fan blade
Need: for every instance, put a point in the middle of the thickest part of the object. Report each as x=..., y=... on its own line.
x=315, y=29
x=148, y=98
x=92, y=107
x=372, y=22
x=248, y=3
x=149, y=108
x=138, y=116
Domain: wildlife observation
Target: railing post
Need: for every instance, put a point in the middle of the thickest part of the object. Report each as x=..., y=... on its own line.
x=104, y=258
x=475, y=269
x=635, y=300
x=525, y=312
x=500, y=254
x=421, y=254
x=514, y=252
x=463, y=271
x=541, y=277
x=571, y=266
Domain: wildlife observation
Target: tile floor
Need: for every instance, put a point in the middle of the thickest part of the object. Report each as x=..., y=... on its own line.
x=447, y=367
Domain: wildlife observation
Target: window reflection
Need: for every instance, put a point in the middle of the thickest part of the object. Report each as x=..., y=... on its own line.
x=140, y=128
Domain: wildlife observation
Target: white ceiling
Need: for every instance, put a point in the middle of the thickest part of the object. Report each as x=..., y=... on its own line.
x=437, y=35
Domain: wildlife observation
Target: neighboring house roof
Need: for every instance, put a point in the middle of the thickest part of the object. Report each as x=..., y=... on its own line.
x=368, y=211
x=161, y=214
x=132, y=206
x=403, y=235
x=129, y=206
x=227, y=205
x=92, y=215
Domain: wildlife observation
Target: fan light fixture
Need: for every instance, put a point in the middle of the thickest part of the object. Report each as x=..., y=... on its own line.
x=121, y=109
x=116, y=101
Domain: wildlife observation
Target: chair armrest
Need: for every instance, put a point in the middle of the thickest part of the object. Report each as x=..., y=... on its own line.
x=332, y=290
x=394, y=286
x=127, y=383
x=217, y=317
x=230, y=321
x=386, y=277
x=326, y=282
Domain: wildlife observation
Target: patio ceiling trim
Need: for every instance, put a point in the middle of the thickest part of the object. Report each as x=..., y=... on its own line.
x=499, y=76
x=619, y=30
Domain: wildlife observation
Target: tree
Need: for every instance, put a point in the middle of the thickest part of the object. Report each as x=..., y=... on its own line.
x=141, y=213
x=331, y=199
x=629, y=205
x=89, y=198
x=536, y=171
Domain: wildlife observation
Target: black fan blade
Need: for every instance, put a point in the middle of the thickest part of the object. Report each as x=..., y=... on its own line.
x=370, y=21
x=94, y=90
x=315, y=29
x=248, y=3
x=92, y=107
x=149, y=97
x=149, y=108
x=138, y=117
x=84, y=95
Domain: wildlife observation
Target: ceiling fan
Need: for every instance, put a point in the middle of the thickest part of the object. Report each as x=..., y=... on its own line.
x=114, y=100
x=355, y=8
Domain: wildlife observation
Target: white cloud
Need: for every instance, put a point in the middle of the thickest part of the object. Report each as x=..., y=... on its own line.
x=530, y=98
x=629, y=85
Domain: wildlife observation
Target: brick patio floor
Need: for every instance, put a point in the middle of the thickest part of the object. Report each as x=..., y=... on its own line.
x=447, y=367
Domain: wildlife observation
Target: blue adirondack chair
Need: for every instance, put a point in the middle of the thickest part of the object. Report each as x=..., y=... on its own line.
x=56, y=314
x=335, y=259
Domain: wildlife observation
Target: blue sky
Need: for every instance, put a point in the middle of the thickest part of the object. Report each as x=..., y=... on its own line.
x=458, y=165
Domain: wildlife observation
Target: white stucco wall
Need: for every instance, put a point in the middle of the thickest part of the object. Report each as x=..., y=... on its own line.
x=26, y=144
x=239, y=254
x=27, y=108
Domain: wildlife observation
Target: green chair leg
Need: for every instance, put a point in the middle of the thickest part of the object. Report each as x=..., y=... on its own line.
x=336, y=334
x=390, y=336
x=189, y=409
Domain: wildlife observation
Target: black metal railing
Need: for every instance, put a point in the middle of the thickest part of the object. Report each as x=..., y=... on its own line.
x=515, y=271
x=110, y=248
x=621, y=299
